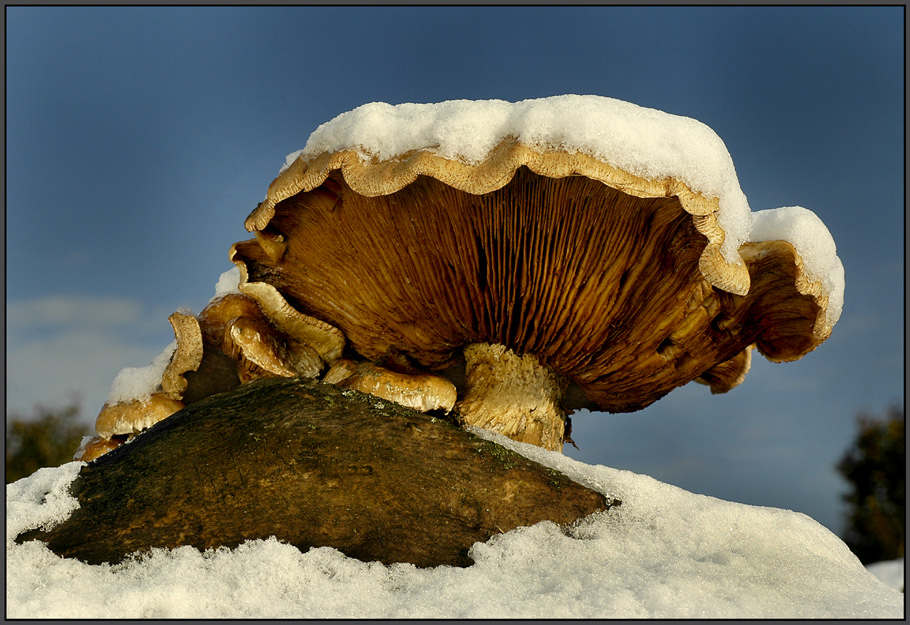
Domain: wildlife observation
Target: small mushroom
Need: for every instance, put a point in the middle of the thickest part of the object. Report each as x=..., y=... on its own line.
x=131, y=417
x=96, y=446
x=728, y=374
x=423, y=392
x=539, y=266
x=343, y=369
x=187, y=357
x=230, y=342
x=264, y=351
x=235, y=325
x=120, y=422
x=324, y=339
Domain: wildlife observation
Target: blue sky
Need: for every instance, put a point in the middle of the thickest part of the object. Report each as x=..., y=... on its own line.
x=138, y=140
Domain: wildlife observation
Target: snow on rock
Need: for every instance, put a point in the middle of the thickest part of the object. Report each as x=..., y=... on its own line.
x=41, y=499
x=663, y=553
x=646, y=142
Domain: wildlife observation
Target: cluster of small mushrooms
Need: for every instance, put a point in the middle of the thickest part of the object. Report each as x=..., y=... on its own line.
x=479, y=290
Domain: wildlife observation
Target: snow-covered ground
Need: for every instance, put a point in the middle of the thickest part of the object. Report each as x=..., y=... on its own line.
x=891, y=573
x=664, y=552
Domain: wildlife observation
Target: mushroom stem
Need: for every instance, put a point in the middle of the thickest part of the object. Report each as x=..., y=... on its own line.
x=516, y=396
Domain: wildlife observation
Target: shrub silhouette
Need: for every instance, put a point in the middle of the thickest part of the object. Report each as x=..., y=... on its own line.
x=47, y=439
x=875, y=467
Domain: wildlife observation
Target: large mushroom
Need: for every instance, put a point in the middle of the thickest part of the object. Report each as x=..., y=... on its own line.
x=570, y=251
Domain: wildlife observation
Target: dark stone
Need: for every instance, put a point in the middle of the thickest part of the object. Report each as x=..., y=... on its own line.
x=313, y=465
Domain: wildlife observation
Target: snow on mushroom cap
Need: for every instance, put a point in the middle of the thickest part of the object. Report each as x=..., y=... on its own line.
x=645, y=142
x=138, y=383
x=805, y=231
x=228, y=283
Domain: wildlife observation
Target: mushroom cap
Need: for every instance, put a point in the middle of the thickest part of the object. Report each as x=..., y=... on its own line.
x=96, y=446
x=371, y=178
x=187, y=356
x=132, y=417
x=237, y=326
x=626, y=277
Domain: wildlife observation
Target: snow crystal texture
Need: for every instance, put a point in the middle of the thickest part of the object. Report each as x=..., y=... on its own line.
x=139, y=383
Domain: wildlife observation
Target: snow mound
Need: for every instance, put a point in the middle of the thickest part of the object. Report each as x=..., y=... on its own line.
x=663, y=553
x=890, y=572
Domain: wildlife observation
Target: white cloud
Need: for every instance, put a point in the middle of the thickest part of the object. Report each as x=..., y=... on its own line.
x=63, y=347
x=61, y=311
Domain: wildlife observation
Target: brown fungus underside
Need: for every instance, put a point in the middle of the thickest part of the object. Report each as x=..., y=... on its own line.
x=547, y=281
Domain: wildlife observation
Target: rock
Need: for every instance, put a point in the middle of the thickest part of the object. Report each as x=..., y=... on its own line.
x=313, y=465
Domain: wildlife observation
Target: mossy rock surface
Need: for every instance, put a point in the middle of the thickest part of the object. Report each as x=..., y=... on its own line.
x=313, y=465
